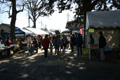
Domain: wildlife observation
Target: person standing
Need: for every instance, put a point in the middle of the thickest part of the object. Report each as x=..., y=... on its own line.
x=102, y=44
x=39, y=41
x=8, y=42
x=20, y=44
x=56, y=43
x=68, y=41
x=72, y=43
x=1, y=41
x=64, y=43
x=28, y=40
x=51, y=46
x=35, y=45
x=45, y=44
x=79, y=42
x=91, y=39
x=15, y=41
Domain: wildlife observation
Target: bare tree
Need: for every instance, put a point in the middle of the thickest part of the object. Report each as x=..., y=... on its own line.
x=37, y=8
x=12, y=4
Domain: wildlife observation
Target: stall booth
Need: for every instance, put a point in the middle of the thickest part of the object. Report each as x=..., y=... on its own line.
x=18, y=32
x=74, y=26
x=7, y=50
x=108, y=22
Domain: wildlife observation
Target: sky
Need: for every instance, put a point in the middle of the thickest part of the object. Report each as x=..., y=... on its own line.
x=55, y=21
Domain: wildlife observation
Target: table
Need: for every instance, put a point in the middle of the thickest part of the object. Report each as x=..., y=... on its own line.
x=5, y=51
x=116, y=51
x=94, y=48
x=112, y=51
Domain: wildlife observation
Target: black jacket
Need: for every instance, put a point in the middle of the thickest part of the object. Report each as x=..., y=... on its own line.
x=102, y=42
x=78, y=41
x=35, y=44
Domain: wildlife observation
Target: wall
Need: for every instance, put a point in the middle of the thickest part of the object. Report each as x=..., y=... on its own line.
x=112, y=36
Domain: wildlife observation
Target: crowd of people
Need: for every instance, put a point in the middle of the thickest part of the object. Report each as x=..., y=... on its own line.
x=60, y=43
x=57, y=42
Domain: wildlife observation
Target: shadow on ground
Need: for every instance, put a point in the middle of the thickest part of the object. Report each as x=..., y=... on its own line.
x=57, y=67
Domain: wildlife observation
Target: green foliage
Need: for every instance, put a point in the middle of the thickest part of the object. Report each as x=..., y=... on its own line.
x=84, y=6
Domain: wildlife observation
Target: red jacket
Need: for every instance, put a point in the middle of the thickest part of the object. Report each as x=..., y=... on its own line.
x=45, y=43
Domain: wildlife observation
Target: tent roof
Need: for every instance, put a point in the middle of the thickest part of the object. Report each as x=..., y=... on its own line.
x=36, y=31
x=27, y=31
x=17, y=31
x=66, y=31
x=74, y=25
x=49, y=32
x=103, y=19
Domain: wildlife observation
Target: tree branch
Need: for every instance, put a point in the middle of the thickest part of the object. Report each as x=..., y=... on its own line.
x=9, y=12
x=30, y=17
x=21, y=9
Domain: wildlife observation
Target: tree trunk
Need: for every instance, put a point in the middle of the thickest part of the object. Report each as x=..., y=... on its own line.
x=34, y=22
x=34, y=26
x=13, y=20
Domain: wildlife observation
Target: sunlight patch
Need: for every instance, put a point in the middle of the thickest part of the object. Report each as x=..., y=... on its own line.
x=68, y=51
x=26, y=65
x=3, y=69
x=68, y=67
x=4, y=61
x=24, y=76
x=33, y=56
x=24, y=62
x=75, y=54
x=81, y=63
x=71, y=57
x=82, y=68
x=71, y=64
x=68, y=72
x=17, y=57
x=32, y=60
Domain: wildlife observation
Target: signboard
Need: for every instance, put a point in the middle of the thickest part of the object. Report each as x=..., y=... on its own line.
x=91, y=30
x=80, y=31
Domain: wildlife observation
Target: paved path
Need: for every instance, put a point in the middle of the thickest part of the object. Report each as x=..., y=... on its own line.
x=57, y=67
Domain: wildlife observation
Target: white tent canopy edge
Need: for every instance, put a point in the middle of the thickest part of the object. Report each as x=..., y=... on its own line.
x=103, y=19
x=36, y=31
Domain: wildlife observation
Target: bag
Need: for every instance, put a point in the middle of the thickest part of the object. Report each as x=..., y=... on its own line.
x=15, y=48
x=106, y=48
x=86, y=51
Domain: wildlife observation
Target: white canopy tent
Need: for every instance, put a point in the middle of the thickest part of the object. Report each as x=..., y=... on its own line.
x=36, y=31
x=103, y=19
x=27, y=32
x=106, y=21
x=49, y=32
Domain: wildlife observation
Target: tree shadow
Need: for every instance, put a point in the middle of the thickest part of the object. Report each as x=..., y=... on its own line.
x=66, y=66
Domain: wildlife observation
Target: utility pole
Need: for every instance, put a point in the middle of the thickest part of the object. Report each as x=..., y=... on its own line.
x=68, y=17
x=28, y=19
x=41, y=24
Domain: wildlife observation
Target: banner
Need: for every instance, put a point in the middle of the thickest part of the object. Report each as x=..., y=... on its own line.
x=91, y=31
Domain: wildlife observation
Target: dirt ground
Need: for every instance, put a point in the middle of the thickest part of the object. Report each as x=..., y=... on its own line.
x=65, y=66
